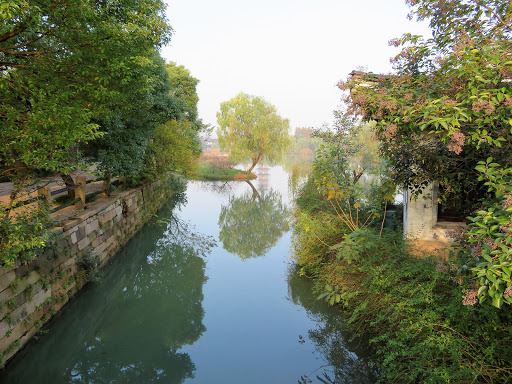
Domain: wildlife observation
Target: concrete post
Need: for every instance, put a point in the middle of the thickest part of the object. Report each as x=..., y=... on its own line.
x=106, y=186
x=80, y=192
x=45, y=192
x=420, y=214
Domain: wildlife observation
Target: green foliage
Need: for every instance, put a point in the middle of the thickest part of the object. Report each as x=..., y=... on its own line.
x=488, y=249
x=250, y=128
x=11, y=304
x=174, y=148
x=340, y=133
x=411, y=309
x=89, y=262
x=183, y=86
x=420, y=329
x=445, y=111
x=316, y=228
x=130, y=126
x=331, y=294
x=251, y=224
x=22, y=233
x=340, y=186
x=61, y=63
x=334, y=205
x=78, y=75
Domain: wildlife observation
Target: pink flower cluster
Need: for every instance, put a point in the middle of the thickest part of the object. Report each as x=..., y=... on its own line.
x=508, y=202
x=483, y=105
x=390, y=131
x=470, y=297
x=457, y=142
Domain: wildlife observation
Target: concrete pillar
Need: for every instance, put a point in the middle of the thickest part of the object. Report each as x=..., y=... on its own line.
x=420, y=214
x=80, y=192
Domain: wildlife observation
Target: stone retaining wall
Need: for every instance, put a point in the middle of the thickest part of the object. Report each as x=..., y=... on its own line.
x=31, y=294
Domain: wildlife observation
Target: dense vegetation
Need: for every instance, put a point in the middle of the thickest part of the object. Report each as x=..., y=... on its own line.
x=86, y=78
x=445, y=115
x=410, y=308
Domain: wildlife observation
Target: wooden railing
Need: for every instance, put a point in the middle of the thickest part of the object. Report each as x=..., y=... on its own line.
x=45, y=195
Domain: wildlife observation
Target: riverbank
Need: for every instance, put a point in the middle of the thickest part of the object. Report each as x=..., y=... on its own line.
x=204, y=294
x=410, y=307
x=30, y=294
x=213, y=172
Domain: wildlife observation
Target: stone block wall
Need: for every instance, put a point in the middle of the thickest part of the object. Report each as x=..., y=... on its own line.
x=30, y=294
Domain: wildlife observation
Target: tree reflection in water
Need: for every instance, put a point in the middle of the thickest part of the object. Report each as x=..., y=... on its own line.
x=129, y=326
x=251, y=224
x=346, y=362
x=298, y=169
x=222, y=188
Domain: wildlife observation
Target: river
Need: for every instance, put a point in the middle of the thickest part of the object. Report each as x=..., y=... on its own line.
x=204, y=293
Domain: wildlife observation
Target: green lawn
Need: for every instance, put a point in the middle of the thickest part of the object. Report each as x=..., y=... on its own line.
x=209, y=171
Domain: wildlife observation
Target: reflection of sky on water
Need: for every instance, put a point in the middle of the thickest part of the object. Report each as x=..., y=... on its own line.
x=177, y=307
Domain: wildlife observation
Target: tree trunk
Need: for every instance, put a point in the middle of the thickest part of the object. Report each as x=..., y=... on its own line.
x=255, y=161
x=255, y=194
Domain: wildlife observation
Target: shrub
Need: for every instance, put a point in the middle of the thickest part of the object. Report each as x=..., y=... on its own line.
x=420, y=330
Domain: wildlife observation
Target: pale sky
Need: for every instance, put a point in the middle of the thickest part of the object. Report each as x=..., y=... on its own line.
x=291, y=53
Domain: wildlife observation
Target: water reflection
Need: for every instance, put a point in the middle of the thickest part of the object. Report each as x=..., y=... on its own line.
x=159, y=315
x=298, y=168
x=345, y=362
x=222, y=188
x=251, y=224
x=129, y=327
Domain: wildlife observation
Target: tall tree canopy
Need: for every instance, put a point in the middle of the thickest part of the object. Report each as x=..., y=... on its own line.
x=445, y=115
x=250, y=127
x=184, y=86
x=154, y=132
x=449, y=102
x=62, y=63
x=86, y=75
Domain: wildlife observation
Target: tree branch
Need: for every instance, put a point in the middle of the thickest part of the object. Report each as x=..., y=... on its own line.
x=8, y=35
x=27, y=43
x=13, y=65
x=37, y=53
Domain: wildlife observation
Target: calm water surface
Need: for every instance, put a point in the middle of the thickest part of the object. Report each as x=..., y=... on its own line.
x=205, y=294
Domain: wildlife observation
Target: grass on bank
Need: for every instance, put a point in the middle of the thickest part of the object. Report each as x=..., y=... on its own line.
x=211, y=171
x=411, y=308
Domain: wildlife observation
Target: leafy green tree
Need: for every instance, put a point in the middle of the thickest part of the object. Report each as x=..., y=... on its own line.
x=445, y=110
x=129, y=128
x=157, y=130
x=64, y=66
x=250, y=128
x=253, y=223
x=184, y=86
x=60, y=64
x=175, y=147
